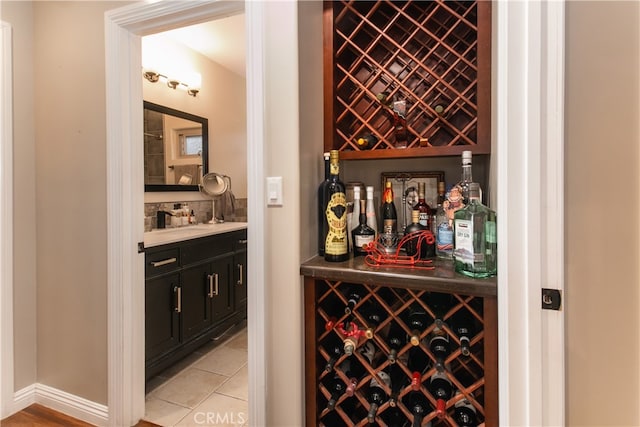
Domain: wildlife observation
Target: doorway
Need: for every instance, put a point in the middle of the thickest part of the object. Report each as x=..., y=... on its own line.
x=124, y=28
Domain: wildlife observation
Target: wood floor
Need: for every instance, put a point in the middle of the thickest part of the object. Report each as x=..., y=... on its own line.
x=39, y=416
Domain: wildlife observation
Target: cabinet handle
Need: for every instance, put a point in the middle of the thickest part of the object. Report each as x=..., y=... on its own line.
x=178, y=291
x=240, y=274
x=243, y=241
x=163, y=262
x=213, y=285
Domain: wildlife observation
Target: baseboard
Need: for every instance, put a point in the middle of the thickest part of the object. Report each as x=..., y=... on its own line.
x=61, y=401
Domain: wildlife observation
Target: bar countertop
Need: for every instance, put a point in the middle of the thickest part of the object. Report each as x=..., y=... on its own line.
x=441, y=279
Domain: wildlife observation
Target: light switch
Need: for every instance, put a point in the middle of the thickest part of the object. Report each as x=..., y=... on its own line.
x=274, y=191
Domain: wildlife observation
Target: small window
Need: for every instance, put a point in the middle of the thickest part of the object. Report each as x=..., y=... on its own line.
x=190, y=142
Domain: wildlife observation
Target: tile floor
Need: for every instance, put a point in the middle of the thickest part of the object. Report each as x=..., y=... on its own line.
x=208, y=388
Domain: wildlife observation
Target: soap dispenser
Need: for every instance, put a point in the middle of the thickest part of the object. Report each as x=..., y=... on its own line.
x=161, y=218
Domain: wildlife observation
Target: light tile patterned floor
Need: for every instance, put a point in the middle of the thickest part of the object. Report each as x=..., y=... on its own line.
x=208, y=388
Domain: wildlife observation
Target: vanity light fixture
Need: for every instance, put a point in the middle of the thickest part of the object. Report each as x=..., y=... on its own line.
x=153, y=76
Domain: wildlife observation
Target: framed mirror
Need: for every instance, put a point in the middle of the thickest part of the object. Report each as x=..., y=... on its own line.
x=176, y=149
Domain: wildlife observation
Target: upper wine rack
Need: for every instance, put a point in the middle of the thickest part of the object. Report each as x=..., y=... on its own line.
x=433, y=55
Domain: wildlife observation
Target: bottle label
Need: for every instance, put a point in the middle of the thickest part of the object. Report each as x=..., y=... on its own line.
x=423, y=219
x=362, y=240
x=336, y=213
x=464, y=241
x=444, y=237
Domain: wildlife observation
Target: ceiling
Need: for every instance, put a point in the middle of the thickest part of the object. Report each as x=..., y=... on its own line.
x=222, y=40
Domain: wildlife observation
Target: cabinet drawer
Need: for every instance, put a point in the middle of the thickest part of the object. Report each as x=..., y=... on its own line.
x=162, y=262
x=207, y=247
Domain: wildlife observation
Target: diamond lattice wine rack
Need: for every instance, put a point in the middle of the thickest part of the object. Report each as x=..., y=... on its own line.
x=428, y=58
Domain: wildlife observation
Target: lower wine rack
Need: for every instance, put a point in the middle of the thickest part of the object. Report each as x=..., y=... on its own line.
x=379, y=353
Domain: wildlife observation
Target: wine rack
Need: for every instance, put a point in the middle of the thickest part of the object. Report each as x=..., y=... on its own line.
x=434, y=55
x=470, y=369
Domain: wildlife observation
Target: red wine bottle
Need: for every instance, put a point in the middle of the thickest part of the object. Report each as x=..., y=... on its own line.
x=323, y=227
x=417, y=403
x=396, y=339
x=336, y=388
x=373, y=315
x=354, y=371
x=394, y=417
x=441, y=389
x=418, y=321
x=376, y=395
x=418, y=364
x=354, y=295
x=439, y=344
x=336, y=248
x=464, y=326
x=398, y=381
x=335, y=349
x=464, y=414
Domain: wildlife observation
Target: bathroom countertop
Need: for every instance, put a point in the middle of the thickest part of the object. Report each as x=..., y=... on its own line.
x=164, y=236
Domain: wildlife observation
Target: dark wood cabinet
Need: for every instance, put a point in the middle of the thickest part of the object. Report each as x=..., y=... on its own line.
x=192, y=295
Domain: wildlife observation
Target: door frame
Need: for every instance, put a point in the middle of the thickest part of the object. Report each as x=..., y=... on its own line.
x=125, y=195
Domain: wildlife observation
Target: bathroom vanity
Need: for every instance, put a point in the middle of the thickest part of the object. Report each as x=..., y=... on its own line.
x=195, y=288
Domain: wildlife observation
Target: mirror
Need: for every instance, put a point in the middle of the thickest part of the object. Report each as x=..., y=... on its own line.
x=176, y=149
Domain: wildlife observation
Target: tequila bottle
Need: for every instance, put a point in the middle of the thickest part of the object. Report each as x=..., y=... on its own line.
x=475, y=245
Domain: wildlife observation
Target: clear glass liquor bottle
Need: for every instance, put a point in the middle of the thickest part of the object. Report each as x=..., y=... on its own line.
x=370, y=210
x=475, y=245
x=444, y=228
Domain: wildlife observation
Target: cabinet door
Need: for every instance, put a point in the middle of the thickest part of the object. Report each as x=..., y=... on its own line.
x=162, y=317
x=240, y=280
x=196, y=308
x=221, y=289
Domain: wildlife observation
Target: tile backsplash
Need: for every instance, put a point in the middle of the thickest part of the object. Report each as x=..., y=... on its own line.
x=201, y=209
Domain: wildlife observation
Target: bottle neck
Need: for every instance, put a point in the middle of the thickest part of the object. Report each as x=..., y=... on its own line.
x=466, y=173
x=327, y=169
x=334, y=170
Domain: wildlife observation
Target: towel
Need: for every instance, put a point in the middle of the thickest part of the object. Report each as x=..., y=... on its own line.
x=182, y=174
x=228, y=206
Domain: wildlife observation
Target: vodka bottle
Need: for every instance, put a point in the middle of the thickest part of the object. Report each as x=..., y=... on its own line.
x=371, y=211
x=475, y=246
x=336, y=242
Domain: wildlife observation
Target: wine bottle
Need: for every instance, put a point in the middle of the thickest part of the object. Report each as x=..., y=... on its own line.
x=336, y=244
x=440, y=388
x=418, y=364
x=323, y=226
x=398, y=380
x=354, y=371
x=395, y=340
x=464, y=326
x=373, y=316
x=336, y=388
x=376, y=395
x=394, y=417
x=389, y=214
x=362, y=235
x=367, y=140
x=335, y=350
x=417, y=403
x=354, y=295
x=372, y=220
x=465, y=414
x=475, y=250
x=422, y=207
x=418, y=320
x=413, y=240
x=439, y=345
x=400, y=124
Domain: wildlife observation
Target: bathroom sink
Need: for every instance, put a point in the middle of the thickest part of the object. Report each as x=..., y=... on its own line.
x=171, y=235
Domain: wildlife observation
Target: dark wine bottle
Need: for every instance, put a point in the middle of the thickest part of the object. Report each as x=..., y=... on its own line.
x=417, y=403
x=354, y=295
x=424, y=217
x=440, y=303
x=396, y=339
x=323, y=226
x=464, y=326
x=335, y=349
x=373, y=316
x=464, y=414
x=418, y=321
x=362, y=235
x=441, y=389
x=398, y=381
x=411, y=233
x=336, y=388
x=393, y=417
x=354, y=371
x=367, y=140
x=388, y=212
x=418, y=364
x=439, y=344
x=376, y=395
x=336, y=247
